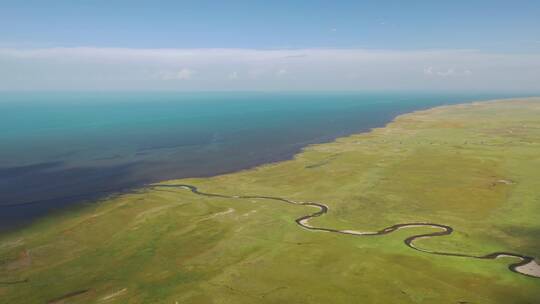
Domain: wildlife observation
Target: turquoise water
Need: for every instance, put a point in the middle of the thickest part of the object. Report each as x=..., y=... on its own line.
x=58, y=149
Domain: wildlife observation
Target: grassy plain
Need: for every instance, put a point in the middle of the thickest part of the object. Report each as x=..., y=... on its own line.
x=475, y=167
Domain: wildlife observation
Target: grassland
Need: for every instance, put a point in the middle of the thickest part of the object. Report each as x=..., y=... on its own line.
x=474, y=167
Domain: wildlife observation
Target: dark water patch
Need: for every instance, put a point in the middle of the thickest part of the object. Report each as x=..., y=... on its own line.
x=25, y=197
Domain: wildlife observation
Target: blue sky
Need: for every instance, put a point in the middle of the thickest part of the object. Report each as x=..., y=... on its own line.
x=412, y=24
x=460, y=41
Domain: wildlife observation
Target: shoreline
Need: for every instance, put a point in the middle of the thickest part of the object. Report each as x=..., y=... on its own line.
x=368, y=131
x=74, y=202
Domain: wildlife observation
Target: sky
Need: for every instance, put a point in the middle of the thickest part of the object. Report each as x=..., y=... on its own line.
x=270, y=45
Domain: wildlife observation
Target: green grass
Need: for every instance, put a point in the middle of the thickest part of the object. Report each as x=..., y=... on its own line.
x=440, y=165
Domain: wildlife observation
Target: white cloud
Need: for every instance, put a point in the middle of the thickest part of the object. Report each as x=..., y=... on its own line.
x=88, y=68
x=182, y=74
x=448, y=72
